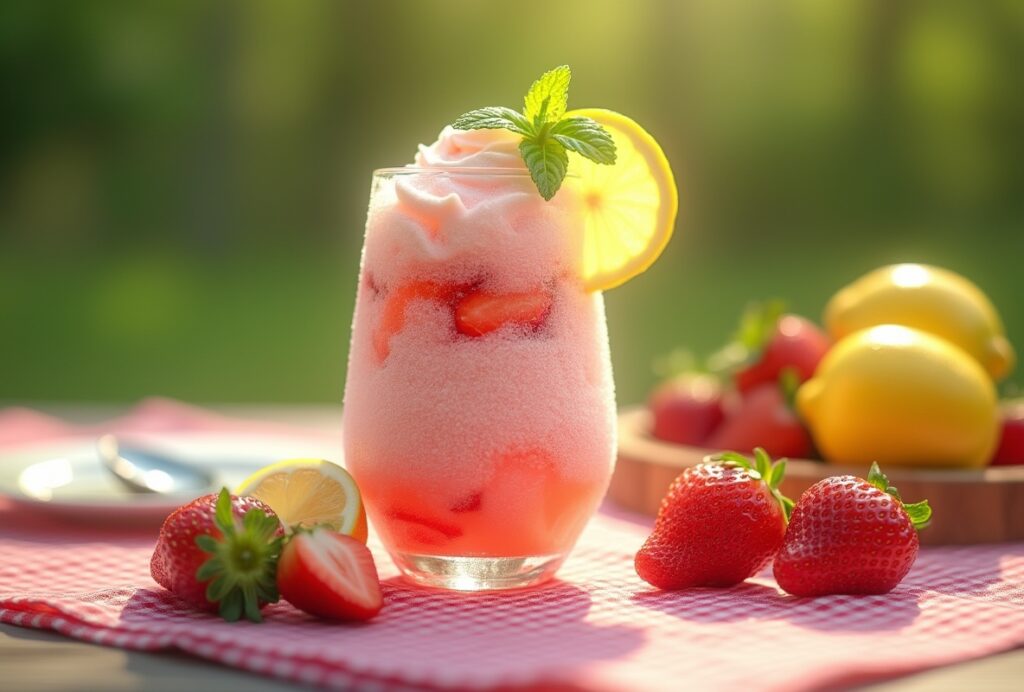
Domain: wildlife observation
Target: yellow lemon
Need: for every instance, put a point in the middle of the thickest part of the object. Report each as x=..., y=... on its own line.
x=310, y=492
x=929, y=298
x=629, y=208
x=900, y=396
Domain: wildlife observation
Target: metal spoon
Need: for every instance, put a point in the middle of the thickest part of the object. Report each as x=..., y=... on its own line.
x=146, y=471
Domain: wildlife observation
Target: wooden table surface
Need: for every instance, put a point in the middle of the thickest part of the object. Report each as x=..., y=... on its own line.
x=33, y=660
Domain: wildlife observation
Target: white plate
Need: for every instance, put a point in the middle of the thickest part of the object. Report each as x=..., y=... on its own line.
x=65, y=477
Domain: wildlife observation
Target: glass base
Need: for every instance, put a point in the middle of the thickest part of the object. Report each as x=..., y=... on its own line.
x=477, y=573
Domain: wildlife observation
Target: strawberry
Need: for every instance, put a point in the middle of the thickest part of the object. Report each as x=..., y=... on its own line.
x=849, y=536
x=687, y=408
x=764, y=417
x=219, y=552
x=768, y=342
x=329, y=574
x=719, y=524
x=794, y=343
x=482, y=312
x=1011, y=440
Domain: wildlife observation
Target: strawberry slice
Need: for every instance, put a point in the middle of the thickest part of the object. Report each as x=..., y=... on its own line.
x=434, y=525
x=469, y=503
x=482, y=312
x=392, y=318
x=330, y=575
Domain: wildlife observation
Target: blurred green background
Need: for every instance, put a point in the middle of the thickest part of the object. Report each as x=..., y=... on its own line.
x=183, y=185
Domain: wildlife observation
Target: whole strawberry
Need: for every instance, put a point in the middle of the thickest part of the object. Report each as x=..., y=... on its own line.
x=220, y=552
x=720, y=523
x=849, y=536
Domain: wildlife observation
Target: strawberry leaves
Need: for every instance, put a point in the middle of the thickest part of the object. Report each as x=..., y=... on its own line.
x=762, y=469
x=755, y=329
x=242, y=566
x=920, y=513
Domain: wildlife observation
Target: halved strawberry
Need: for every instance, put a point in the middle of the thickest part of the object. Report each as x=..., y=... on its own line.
x=482, y=312
x=330, y=575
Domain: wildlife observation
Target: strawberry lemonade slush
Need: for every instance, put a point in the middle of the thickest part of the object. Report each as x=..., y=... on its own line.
x=479, y=405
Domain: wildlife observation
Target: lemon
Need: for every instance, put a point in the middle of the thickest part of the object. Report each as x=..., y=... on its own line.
x=629, y=207
x=310, y=492
x=900, y=396
x=928, y=298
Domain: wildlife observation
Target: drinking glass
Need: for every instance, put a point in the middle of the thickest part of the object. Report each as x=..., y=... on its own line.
x=479, y=417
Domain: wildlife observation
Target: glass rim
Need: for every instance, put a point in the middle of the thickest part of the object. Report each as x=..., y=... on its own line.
x=476, y=171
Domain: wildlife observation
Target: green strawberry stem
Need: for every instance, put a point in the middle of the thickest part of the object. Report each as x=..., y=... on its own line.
x=763, y=469
x=789, y=383
x=242, y=569
x=756, y=328
x=920, y=513
x=678, y=361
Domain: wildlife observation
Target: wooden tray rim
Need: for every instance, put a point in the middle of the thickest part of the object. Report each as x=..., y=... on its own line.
x=636, y=442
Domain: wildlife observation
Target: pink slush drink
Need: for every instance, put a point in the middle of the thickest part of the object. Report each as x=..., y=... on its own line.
x=479, y=405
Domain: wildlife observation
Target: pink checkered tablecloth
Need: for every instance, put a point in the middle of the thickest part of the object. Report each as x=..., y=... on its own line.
x=597, y=627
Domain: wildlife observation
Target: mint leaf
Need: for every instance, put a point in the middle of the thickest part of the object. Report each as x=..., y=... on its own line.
x=547, y=135
x=548, y=96
x=547, y=161
x=586, y=137
x=494, y=118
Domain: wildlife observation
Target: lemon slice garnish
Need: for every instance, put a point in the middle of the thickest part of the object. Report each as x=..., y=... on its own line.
x=629, y=207
x=310, y=492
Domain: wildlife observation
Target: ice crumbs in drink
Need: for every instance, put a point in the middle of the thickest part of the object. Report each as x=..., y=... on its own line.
x=479, y=404
x=480, y=407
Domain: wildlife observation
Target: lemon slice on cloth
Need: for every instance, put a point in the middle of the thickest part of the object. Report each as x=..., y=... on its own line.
x=629, y=207
x=310, y=492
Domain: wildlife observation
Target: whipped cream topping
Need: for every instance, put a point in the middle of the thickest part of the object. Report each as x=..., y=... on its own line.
x=472, y=148
x=444, y=218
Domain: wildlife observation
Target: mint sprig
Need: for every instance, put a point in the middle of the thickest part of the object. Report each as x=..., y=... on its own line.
x=547, y=134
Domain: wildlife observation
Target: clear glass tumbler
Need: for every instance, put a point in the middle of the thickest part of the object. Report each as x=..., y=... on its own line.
x=479, y=404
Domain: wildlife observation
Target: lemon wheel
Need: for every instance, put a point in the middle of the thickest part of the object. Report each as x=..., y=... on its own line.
x=629, y=207
x=310, y=492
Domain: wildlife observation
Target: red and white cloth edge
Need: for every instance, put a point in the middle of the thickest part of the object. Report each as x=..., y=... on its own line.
x=597, y=627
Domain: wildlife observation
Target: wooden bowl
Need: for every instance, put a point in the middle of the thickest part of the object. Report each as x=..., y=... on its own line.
x=969, y=506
